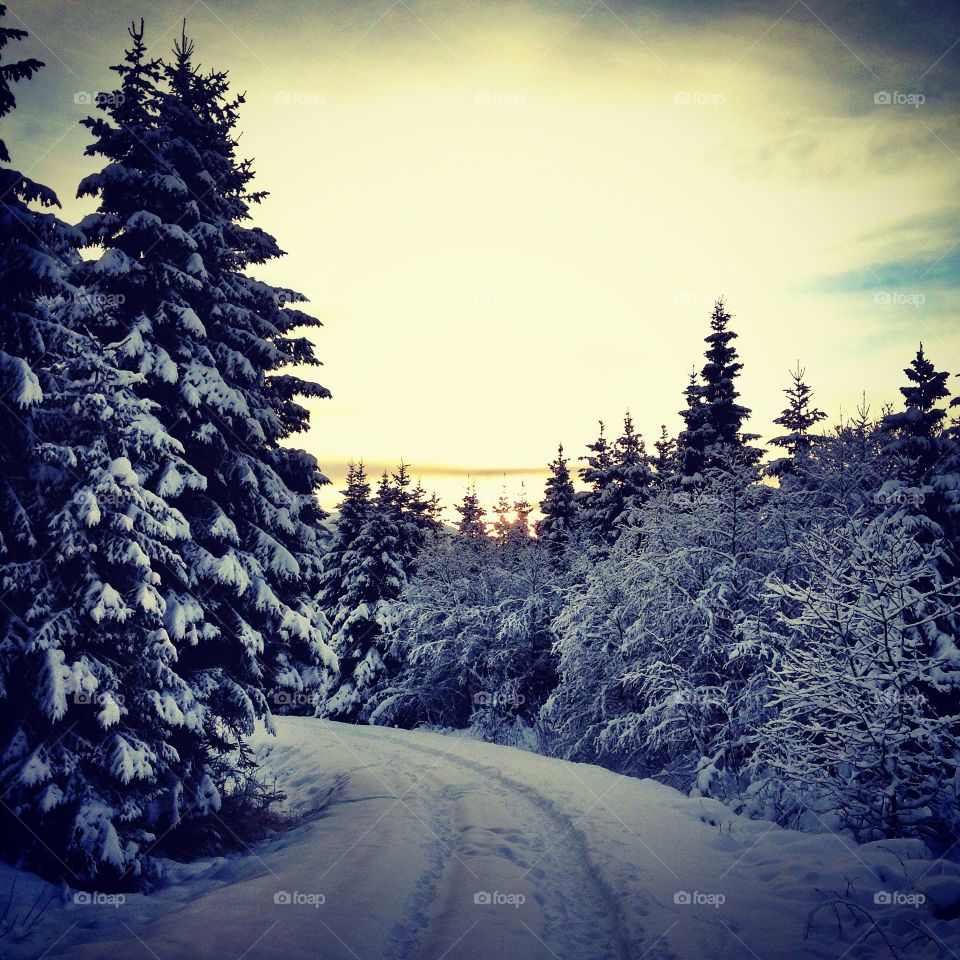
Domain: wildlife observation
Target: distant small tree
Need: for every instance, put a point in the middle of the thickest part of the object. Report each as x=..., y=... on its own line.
x=798, y=419
x=558, y=508
x=472, y=523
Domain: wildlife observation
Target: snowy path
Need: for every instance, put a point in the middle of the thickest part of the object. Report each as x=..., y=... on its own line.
x=440, y=848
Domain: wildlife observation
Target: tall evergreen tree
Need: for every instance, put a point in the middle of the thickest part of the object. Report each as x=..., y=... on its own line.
x=558, y=507
x=714, y=419
x=35, y=253
x=208, y=340
x=105, y=768
x=917, y=432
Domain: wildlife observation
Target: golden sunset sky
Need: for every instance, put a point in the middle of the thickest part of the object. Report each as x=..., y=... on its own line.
x=513, y=217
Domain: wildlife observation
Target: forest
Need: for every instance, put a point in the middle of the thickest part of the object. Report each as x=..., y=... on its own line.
x=769, y=624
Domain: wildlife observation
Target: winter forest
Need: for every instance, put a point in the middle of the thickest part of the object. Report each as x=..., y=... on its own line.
x=761, y=630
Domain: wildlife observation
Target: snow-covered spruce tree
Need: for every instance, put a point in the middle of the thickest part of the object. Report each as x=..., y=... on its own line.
x=412, y=511
x=559, y=509
x=713, y=436
x=35, y=253
x=922, y=459
x=472, y=523
x=65, y=773
x=665, y=462
x=102, y=712
x=598, y=504
x=364, y=573
x=633, y=476
x=210, y=342
x=620, y=476
x=855, y=737
x=798, y=419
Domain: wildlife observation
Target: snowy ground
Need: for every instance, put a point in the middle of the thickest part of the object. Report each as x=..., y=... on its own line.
x=440, y=848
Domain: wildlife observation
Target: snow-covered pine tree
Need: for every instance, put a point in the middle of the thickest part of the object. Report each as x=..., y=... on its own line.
x=798, y=419
x=362, y=574
x=559, y=509
x=665, y=462
x=598, y=505
x=620, y=476
x=690, y=443
x=919, y=448
x=472, y=523
x=714, y=437
x=104, y=746
x=413, y=512
x=36, y=250
x=633, y=476
x=173, y=210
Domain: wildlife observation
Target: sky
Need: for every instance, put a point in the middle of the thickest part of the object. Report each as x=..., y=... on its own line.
x=513, y=218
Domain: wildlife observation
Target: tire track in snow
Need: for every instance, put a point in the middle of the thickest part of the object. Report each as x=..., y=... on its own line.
x=580, y=909
x=406, y=935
